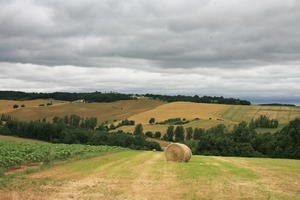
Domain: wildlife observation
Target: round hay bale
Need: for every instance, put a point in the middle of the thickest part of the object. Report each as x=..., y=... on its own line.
x=178, y=152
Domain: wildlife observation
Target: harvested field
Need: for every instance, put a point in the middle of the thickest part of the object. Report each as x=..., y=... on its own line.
x=7, y=105
x=146, y=175
x=103, y=111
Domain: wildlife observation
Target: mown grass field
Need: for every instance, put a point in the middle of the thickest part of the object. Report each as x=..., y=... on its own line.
x=146, y=175
x=103, y=111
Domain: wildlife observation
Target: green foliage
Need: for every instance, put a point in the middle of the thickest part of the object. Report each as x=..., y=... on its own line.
x=138, y=130
x=264, y=122
x=197, y=99
x=197, y=133
x=149, y=134
x=189, y=133
x=244, y=141
x=18, y=153
x=170, y=134
x=152, y=121
x=66, y=96
x=179, y=134
x=157, y=134
x=15, y=106
x=62, y=133
x=175, y=121
x=125, y=122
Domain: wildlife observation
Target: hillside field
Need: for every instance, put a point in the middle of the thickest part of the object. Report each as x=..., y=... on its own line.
x=143, y=109
x=141, y=175
x=6, y=106
x=212, y=114
x=103, y=111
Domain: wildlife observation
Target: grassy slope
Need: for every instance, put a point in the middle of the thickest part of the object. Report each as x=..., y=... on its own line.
x=7, y=105
x=103, y=111
x=146, y=175
x=220, y=114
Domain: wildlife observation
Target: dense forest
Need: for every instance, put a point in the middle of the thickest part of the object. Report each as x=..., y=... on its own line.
x=197, y=99
x=65, y=96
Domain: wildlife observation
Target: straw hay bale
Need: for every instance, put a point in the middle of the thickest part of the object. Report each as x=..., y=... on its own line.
x=178, y=152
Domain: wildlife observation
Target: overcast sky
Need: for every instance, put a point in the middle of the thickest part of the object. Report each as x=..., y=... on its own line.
x=240, y=48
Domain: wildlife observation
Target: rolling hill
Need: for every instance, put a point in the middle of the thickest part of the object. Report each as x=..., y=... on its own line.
x=143, y=109
x=103, y=111
x=211, y=114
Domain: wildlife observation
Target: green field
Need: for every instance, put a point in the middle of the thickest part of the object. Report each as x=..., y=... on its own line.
x=23, y=153
x=146, y=175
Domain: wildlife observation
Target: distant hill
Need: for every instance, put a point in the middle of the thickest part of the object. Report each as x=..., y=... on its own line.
x=277, y=104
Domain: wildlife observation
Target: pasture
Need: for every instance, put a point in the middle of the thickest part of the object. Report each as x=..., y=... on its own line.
x=146, y=175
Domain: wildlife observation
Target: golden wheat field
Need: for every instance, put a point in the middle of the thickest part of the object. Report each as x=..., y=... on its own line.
x=142, y=110
x=103, y=111
x=6, y=106
x=211, y=114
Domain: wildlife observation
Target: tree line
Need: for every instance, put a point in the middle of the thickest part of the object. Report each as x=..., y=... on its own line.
x=113, y=96
x=73, y=130
x=65, y=96
x=242, y=140
x=197, y=99
x=264, y=122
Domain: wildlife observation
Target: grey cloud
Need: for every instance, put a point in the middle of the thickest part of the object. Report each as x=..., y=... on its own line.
x=163, y=34
x=261, y=83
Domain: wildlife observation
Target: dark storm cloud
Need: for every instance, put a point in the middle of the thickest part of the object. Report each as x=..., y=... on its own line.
x=145, y=34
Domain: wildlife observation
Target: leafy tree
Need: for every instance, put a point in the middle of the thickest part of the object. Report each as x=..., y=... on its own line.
x=15, y=106
x=157, y=135
x=112, y=127
x=149, y=134
x=74, y=120
x=197, y=133
x=189, y=133
x=170, y=134
x=179, y=134
x=138, y=130
x=152, y=121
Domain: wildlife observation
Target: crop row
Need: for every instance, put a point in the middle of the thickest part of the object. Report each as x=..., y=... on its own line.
x=19, y=153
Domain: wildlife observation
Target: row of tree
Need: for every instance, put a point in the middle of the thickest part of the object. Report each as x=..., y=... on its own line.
x=65, y=96
x=264, y=122
x=197, y=99
x=76, y=121
x=242, y=140
x=61, y=132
